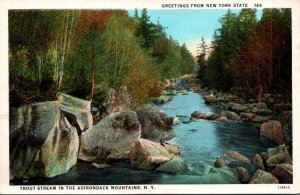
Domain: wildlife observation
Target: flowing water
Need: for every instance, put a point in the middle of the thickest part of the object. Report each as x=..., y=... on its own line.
x=200, y=142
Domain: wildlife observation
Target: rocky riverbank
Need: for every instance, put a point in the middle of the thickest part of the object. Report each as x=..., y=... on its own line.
x=47, y=139
x=273, y=118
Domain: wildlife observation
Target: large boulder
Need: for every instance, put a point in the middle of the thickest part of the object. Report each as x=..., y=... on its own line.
x=272, y=131
x=278, y=155
x=231, y=115
x=58, y=153
x=112, y=138
x=44, y=136
x=284, y=173
x=148, y=155
x=263, y=177
x=236, y=156
x=77, y=111
x=174, y=166
x=29, y=127
x=156, y=126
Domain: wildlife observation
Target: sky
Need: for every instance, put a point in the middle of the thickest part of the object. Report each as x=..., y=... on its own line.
x=189, y=25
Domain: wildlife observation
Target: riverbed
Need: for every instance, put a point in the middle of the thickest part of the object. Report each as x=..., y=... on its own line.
x=200, y=143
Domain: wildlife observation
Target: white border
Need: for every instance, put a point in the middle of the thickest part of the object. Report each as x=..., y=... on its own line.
x=5, y=5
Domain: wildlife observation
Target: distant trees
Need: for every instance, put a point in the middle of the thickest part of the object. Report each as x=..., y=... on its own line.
x=249, y=54
x=201, y=61
x=168, y=57
x=85, y=53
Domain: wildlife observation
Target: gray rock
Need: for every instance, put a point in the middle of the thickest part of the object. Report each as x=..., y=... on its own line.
x=29, y=128
x=264, y=156
x=243, y=174
x=172, y=149
x=272, y=131
x=260, y=119
x=258, y=162
x=77, y=111
x=239, y=107
x=58, y=153
x=263, y=177
x=247, y=116
x=156, y=126
x=261, y=105
x=201, y=115
x=233, y=155
x=278, y=155
x=264, y=112
x=111, y=138
x=222, y=119
x=176, y=121
x=213, y=117
x=43, y=136
x=210, y=99
x=148, y=155
x=163, y=99
x=174, y=166
x=101, y=165
x=219, y=163
x=231, y=115
x=255, y=110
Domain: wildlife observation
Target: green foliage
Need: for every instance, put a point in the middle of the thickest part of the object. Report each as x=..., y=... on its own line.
x=201, y=61
x=247, y=53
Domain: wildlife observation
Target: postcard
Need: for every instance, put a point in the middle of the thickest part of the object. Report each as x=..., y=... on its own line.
x=147, y=97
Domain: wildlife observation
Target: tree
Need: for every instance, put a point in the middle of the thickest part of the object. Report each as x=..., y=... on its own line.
x=201, y=61
x=263, y=56
x=39, y=42
x=188, y=63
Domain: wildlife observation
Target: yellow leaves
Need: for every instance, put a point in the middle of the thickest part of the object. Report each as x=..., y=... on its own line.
x=141, y=80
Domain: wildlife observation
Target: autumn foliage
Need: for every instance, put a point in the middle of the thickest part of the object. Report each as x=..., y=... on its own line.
x=85, y=53
x=249, y=54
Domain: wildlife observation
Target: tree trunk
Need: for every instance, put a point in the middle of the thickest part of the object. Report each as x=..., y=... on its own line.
x=271, y=56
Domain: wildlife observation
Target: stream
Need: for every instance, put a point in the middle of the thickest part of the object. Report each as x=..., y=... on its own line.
x=200, y=143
